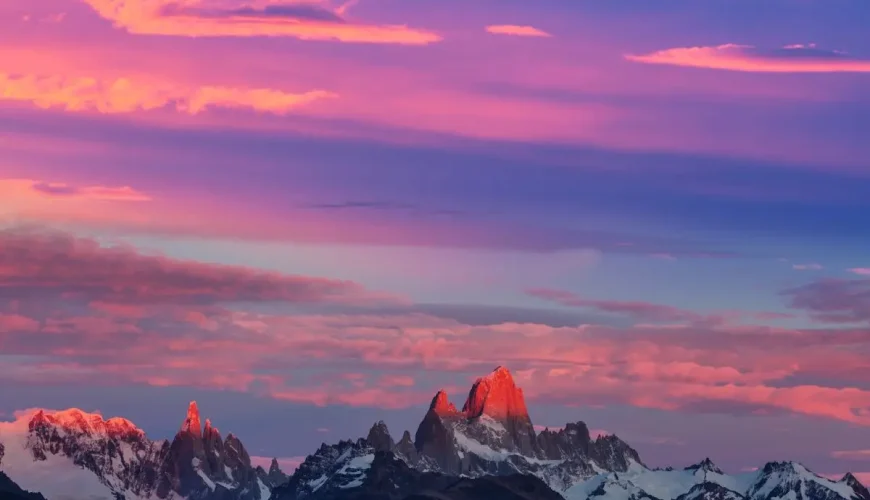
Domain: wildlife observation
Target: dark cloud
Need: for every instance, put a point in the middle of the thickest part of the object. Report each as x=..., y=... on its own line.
x=55, y=189
x=59, y=264
x=833, y=300
x=289, y=11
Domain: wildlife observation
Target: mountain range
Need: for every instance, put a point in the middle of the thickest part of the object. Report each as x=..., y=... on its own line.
x=488, y=449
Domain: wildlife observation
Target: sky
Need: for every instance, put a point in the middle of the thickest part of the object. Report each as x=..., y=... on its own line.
x=312, y=215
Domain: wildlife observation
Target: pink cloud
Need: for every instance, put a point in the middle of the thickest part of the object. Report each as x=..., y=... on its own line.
x=302, y=21
x=738, y=369
x=516, y=30
x=733, y=57
x=860, y=271
x=16, y=322
x=111, y=315
x=124, y=95
x=852, y=454
x=396, y=381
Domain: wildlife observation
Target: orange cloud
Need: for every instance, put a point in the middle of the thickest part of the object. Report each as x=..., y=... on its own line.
x=304, y=21
x=123, y=95
x=852, y=454
x=516, y=30
x=733, y=57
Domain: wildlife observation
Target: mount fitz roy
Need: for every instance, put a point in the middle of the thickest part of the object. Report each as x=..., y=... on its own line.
x=487, y=450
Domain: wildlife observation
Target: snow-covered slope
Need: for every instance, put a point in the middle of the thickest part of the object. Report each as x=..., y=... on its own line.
x=54, y=474
x=704, y=481
x=74, y=455
x=332, y=467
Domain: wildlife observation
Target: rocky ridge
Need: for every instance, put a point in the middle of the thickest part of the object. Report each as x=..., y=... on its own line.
x=493, y=437
x=197, y=464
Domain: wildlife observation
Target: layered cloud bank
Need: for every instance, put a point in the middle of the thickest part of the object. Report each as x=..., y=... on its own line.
x=80, y=310
x=734, y=57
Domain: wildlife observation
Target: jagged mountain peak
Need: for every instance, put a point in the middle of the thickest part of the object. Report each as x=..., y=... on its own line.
x=78, y=421
x=191, y=424
x=861, y=491
x=209, y=431
x=789, y=467
x=497, y=396
x=710, y=491
x=705, y=465
x=379, y=437
x=793, y=479
x=441, y=404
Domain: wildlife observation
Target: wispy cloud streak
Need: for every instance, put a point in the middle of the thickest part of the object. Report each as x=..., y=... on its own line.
x=124, y=95
x=516, y=30
x=747, y=58
x=102, y=193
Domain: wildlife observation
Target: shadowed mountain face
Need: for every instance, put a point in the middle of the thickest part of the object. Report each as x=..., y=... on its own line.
x=382, y=475
x=11, y=491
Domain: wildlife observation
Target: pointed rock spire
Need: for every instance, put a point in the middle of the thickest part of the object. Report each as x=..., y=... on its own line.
x=405, y=447
x=441, y=405
x=379, y=437
x=191, y=423
x=860, y=491
x=209, y=431
x=274, y=467
x=497, y=396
